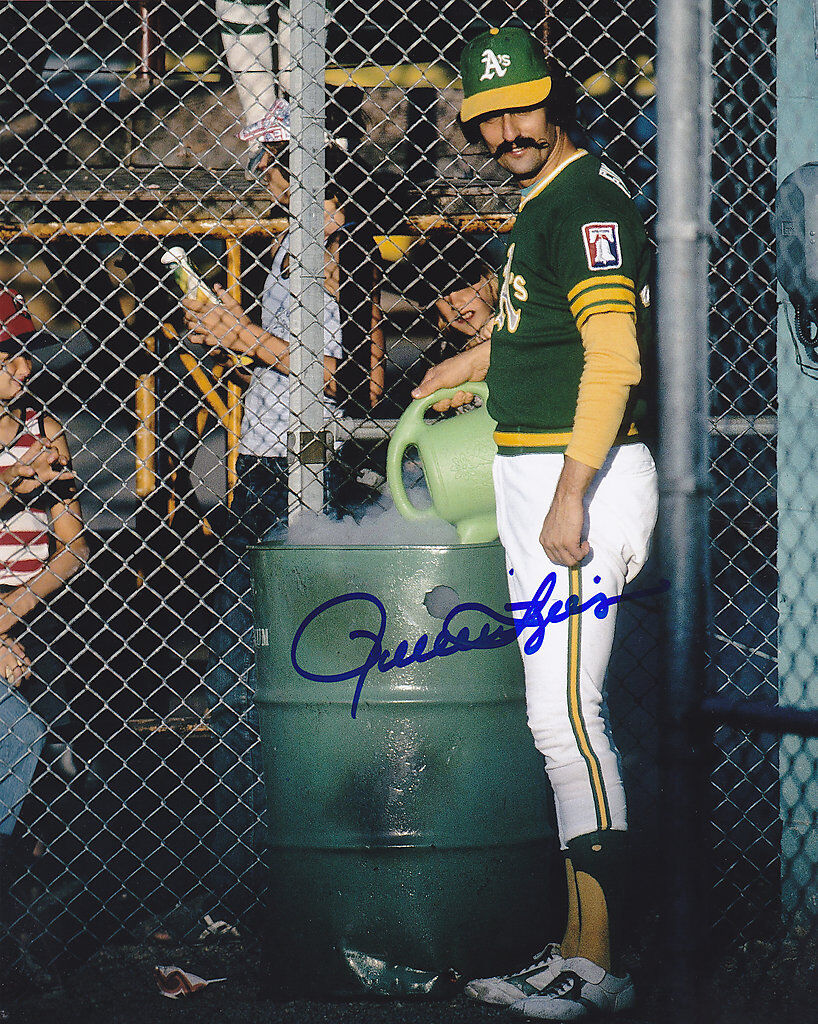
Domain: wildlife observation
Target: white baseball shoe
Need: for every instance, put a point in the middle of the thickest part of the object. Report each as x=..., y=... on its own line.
x=581, y=989
x=510, y=988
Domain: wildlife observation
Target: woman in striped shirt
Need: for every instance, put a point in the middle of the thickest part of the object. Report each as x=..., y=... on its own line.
x=41, y=546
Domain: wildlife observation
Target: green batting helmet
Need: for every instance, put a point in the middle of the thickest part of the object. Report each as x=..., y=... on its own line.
x=502, y=69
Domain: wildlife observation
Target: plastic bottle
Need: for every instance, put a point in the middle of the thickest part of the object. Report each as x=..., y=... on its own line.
x=193, y=284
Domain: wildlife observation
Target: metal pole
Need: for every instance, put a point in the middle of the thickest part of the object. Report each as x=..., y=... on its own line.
x=151, y=46
x=796, y=143
x=683, y=137
x=308, y=443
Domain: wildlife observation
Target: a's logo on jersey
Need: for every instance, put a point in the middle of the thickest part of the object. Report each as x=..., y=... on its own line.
x=644, y=295
x=602, y=246
x=507, y=314
x=494, y=64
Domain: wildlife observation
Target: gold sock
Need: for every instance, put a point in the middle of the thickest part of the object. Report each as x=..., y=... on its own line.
x=599, y=862
x=594, y=933
x=570, y=940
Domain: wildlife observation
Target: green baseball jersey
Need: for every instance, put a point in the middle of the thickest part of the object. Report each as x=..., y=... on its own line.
x=578, y=247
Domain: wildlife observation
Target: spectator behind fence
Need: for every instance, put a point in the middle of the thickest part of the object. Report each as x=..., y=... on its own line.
x=41, y=546
x=456, y=276
x=353, y=373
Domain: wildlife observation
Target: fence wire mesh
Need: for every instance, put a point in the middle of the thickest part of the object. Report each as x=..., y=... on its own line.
x=744, y=656
x=120, y=141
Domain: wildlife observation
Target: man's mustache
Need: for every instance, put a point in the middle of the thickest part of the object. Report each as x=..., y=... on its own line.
x=521, y=142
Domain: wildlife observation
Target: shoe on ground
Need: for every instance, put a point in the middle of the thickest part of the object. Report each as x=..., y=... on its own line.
x=581, y=989
x=510, y=988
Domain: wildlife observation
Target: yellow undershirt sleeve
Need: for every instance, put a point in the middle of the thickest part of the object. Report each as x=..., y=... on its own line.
x=612, y=368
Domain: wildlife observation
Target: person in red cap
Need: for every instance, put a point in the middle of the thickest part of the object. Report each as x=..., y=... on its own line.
x=41, y=546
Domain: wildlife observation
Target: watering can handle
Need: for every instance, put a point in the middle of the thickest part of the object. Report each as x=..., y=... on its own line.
x=406, y=434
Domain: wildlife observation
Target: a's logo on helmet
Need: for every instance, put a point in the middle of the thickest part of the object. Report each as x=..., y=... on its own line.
x=494, y=64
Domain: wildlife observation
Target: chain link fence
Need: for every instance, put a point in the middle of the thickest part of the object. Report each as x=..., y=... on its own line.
x=119, y=141
x=743, y=406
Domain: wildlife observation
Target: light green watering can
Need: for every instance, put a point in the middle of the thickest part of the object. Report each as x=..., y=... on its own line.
x=457, y=454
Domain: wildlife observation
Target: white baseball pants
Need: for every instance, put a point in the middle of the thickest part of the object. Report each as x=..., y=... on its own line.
x=565, y=661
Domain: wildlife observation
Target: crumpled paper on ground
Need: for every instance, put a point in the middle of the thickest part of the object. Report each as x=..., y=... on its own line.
x=174, y=982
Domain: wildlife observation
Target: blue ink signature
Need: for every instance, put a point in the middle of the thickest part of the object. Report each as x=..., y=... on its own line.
x=499, y=631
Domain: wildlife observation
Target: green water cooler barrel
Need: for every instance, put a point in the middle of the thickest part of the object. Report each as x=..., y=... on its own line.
x=416, y=836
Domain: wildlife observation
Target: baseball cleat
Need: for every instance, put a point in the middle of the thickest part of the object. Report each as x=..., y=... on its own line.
x=581, y=989
x=510, y=988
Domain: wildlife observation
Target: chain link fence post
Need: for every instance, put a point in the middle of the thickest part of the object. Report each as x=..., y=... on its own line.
x=797, y=152
x=308, y=452
x=682, y=230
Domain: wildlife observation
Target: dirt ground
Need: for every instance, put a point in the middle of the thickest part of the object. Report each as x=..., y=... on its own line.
x=762, y=983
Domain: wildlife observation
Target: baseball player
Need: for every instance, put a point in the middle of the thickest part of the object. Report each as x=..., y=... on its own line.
x=575, y=484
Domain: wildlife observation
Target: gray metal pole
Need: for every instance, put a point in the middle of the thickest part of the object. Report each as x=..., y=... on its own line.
x=683, y=109
x=308, y=443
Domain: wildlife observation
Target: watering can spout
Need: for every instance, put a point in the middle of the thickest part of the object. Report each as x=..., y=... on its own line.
x=457, y=454
x=478, y=529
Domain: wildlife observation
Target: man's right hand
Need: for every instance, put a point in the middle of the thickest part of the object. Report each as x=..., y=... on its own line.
x=472, y=364
x=217, y=324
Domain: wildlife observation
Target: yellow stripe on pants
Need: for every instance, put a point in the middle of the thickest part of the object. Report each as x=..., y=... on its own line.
x=575, y=702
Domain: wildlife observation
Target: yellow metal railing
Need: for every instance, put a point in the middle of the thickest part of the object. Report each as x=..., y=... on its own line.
x=228, y=410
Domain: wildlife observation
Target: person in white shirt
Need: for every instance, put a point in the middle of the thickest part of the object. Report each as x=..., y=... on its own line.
x=354, y=374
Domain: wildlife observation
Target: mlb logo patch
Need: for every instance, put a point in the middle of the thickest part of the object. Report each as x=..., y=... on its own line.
x=602, y=246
